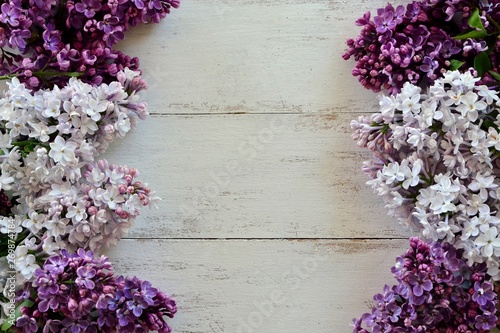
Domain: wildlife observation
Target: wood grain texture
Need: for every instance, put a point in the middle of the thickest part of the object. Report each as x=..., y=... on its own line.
x=262, y=286
x=252, y=56
x=266, y=224
x=254, y=176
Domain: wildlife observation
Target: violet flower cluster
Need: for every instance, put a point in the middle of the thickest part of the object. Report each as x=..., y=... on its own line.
x=435, y=143
x=69, y=96
x=417, y=43
x=59, y=39
x=80, y=293
x=435, y=163
x=437, y=291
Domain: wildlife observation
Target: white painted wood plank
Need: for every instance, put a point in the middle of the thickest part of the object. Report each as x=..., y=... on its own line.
x=263, y=176
x=220, y=56
x=228, y=286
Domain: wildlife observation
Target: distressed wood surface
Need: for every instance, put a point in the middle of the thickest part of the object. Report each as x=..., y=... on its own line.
x=252, y=56
x=266, y=224
x=254, y=176
x=275, y=286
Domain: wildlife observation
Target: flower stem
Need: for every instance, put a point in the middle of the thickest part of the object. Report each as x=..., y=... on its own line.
x=43, y=74
x=492, y=21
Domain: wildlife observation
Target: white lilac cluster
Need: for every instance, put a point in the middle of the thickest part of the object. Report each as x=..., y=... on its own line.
x=62, y=197
x=435, y=163
x=92, y=212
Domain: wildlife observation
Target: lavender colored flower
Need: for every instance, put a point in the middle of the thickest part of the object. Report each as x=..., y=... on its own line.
x=385, y=22
x=88, y=7
x=448, y=306
x=92, y=299
x=26, y=324
x=85, y=276
x=429, y=66
x=139, y=307
x=416, y=44
x=60, y=40
x=483, y=293
x=420, y=283
x=10, y=15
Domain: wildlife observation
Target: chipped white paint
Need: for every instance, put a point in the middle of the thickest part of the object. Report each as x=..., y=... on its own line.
x=249, y=140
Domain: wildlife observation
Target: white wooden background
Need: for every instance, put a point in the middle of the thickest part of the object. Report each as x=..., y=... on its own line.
x=266, y=224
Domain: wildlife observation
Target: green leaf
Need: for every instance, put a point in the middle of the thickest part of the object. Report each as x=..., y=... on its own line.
x=456, y=64
x=475, y=21
x=482, y=63
x=5, y=327
x=472, y=34
x=495, y=75
x=488, y=123
x=55, y=73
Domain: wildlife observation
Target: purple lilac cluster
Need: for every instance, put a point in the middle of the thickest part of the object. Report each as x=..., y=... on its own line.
x=79, y=293
x=59, y=39
x=437, y=291
x=415, y=44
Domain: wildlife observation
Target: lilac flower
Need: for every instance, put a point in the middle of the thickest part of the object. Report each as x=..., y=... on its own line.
x=138, y=3
x=485, y=322
x=460, y=297
x=434, y=164
x=449, y=49
x=429, y=66
x=399, y=267
x=10, y=15
x=448, y=307
x=108, y=23
x=483, y=293
x=417, y=43
x=419, y=283
x=52, y=326
x=88, y=7
x=52, y=40
x=35, y=28
x=114, y=36
x=393, y=311
x=18, y=38
x=136, y=305
x=46, y=283
x=385, y=22
x=67, y=127
x=157, y=4
x=92, y=299
x=85, y=276
x=28, y=325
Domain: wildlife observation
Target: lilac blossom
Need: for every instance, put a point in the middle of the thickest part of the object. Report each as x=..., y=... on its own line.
x=416, y=45
x=88, y=7
x=59, y=39
x=85, y=292
x=60, y=195
x=400, y=309
x=435, y=163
